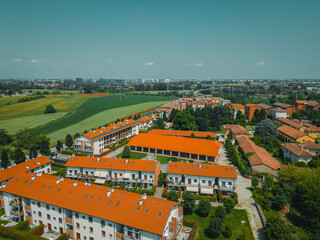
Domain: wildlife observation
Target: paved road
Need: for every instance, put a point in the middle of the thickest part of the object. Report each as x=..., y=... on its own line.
x=114, y=153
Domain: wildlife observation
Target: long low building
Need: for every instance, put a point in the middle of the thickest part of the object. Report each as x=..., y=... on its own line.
x=91, y=212
x=132, y=172
x=180, y=133
x=190, y=148
x=201, y=178
x=40, y=164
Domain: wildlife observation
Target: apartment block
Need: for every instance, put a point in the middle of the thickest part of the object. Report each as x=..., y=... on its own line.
x=145, y=122
x=132, y=172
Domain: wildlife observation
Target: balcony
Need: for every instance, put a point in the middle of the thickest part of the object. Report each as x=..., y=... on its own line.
x=69, y=220
x=69, y=232
x=27, y=208
x=16, y=213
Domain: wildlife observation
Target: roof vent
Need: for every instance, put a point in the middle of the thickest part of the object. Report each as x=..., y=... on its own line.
x=98, y=159
x=88, y=184
x=109, y=193
x=33, y=177
x=140, y=202
x=85, y=183
x=58, y=180
x=112, y=189
x=61, y=179
x=144, y=196
x=73, y=155
x=38, y=163
x=27, y=166
x=127, y=160
x=75, y=184
x=39, y=174
x=199, y=166
x=9, y=166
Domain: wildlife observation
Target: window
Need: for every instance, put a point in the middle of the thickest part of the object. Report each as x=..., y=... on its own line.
x=203, y=181
x=39, y=213
x=77, y=215
x=39, y=204
x=103, y=233
x=223, y=184
x=229, y=183
x=90, y=219
x=60, y=210
x=195, y=180
x=103, y=223
x=60, y=220
x=110, y=225
x=91, y=238
x=91, y=229
x=47, y=207
x=48, y=216
x=78, y=225
x=209, y=183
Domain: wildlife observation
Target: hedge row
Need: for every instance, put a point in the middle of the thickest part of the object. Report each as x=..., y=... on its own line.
x=194, y=225
x=149, y=192
x=210, y=198
x=15, y=234
x=70, y=152
x=22, y=226
x=63, y=236
x=120, y=144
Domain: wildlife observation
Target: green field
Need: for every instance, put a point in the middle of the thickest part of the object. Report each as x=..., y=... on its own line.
x=162, y=91
x=134, y=155
x=99, y=119
x=14, y=125
x=234, y=218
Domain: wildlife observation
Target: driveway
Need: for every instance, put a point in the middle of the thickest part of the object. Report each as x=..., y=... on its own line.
x=114, y=153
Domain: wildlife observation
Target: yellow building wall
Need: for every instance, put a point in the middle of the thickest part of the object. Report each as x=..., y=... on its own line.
x=304, y=139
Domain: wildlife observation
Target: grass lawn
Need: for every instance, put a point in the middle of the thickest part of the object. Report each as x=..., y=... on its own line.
x=134, y=155
x=96, y=120
x=234, y=218
x=14, y=125
x=3, y=238
x=165, y=159
x=1, y=212
x=250, y=128
x=222, y=130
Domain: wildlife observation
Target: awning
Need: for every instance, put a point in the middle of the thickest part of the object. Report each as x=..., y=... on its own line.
x=127, y=175
x=97, y=173
x=103, y=174
x=100, y=181
x=193, y=189
x=206, y=191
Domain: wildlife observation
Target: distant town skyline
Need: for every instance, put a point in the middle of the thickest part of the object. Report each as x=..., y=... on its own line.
x=174, y=39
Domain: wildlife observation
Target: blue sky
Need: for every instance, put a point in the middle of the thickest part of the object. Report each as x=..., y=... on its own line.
x=160, y=39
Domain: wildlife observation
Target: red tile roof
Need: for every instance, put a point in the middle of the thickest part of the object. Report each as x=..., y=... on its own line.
x=311, y=145
x=121, y=207
x=260, y=156
x=23, y=167
x=180, y=133
x=296, y=150
x=237, y=105
x=236, y=129
x=265, y=106
x=291, y=132
x=281, y=105
x=289, y=122
x=144, y=119
x=179, y=144
x=111, y=163
x=197, y=169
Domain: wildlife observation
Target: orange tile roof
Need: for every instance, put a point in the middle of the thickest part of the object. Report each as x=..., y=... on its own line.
x=22, y=167
x=281, y=105
x=111, y=163
x=181, y=133
x=291, y=132
x=144, y=119
x=237, y=105
x=296, y=150
x=105, y=131
x=196, y=169
x=121, y=207
x=265, y=106
x=179, y=144
x=311, y=145
x=260, y=156
x=313, y=129
x=278, y=109
x=289, y=122
x=236, y=129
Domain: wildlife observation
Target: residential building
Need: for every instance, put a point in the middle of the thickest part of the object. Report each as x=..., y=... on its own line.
x=266, y=107
x=289, y=134
x=277, y=112
x=97, y=141
x=235, y=107
x=289, y=108
x=132, y=172
x=181, y=133
x=313, y=132
x=145, y=122
x=190, y=148
x=235, y=131
x=311, y=147
x=85, y=211
x=201, y=178
x=295, y=152
x=249, y=110
x=40, y=164
x=290, y=123
x=304, y=104
x=259, y=160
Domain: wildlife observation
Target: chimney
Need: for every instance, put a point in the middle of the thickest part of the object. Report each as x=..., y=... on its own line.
x=140, y=202
x=27, y=166
x=109, y=193
x=85, y=183
x=88, y=184
x=9, y=166
x=39, y=174
x=33, y=177
x=98, y=159
x=75, y=184
x=127, y=160
x=38, y=163
x=58, y=180
x=144, y=196
x=112, y=189
x=73, y=155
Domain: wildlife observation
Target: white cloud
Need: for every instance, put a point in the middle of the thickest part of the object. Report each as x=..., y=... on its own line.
x=260, y=63
x=199, y=65
x=17, y=60
x=33, y=61
x=149, y=64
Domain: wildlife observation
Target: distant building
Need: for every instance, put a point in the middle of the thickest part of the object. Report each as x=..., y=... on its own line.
x=250, y=109
x=278, y=113
x=289, y=134
x=235, y=131
x=289, y=108
x=266, y=107
x=182, y=133
x=304, y=104
x=235, y=107
x=295, y=152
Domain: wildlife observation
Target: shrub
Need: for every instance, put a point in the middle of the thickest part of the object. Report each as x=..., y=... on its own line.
x=210, y=198
x=229, y=204
x=63, y=236
x=235, y=197
x=22, y=226
x=37, y=230
x=173, y=196
x=227, y=231
x=126, y=152
x=122, y=186
x=254, y=182
x=49, y=109
x=215, y=228
x=161, y=178
x=204, y=208
x=180, y=192
x=220, y=212
x=219, y=196
x=165, y=192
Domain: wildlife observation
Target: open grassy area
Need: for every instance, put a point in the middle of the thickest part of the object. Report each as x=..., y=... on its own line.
x=250, y=128
x=234, y=218
x=99, y=119
x=14, y=125
x=134, y=155
x=165, y=159
x=222, y=130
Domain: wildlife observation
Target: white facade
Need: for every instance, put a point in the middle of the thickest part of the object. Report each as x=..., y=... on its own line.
x=277, y=113
x=293, y=157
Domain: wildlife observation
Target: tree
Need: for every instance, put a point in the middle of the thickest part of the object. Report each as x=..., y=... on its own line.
x=254, y=182
x=159, y=124
x=24, y=138
x=227, y=231
x=49, y=109
x=208, y=137
x=164, y=117
x=215, y=228
x=45, y=148
x=204, y=208
x=267, y=182
x=192, y=135
x=256, y=114
x=18, y=156
x=69, y=141
x=202, y=123
x=279, y=201
x=4, y=158
x=220, y=212
x=161, y=178
x=315, y=162
x=59, y=146
x=229, y=204
x=189, y=203
x=32, y=152
x=173, y=196
x=241, y=119
x=266, y=128
x=76, y=136
x=184, y=121
x=126, y=152
x=276, y=228
x=262, y=114
x=37, y=140
x=5, y=138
